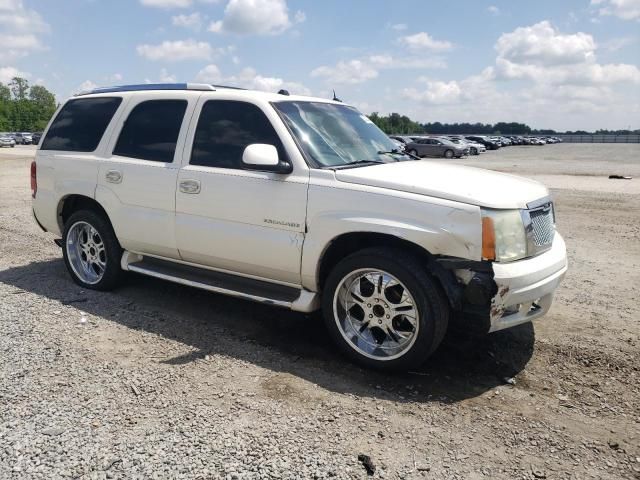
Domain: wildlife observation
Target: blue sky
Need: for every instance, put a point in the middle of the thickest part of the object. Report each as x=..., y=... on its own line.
x=571, y=64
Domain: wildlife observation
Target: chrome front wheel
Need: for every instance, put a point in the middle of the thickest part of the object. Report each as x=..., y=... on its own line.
x=86, y=252
x=376, y=314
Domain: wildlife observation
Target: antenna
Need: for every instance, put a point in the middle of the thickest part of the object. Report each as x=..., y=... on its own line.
x=335, y=99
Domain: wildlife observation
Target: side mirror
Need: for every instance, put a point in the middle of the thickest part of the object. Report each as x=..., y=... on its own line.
x=261, y=156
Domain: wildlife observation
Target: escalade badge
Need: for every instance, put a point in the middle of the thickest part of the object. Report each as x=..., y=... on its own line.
x=281, y=222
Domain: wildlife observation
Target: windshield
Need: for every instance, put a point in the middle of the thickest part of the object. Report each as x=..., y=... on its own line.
x=334, y=135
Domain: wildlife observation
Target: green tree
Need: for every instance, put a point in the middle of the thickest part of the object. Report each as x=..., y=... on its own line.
x=25, y=108
x=19, y=88
x=45, y=105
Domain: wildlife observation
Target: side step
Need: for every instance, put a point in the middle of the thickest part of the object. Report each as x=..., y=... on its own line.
x=220, y=282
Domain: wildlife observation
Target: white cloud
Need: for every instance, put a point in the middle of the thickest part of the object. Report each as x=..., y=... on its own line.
x=624, y=9
x=349, y=72
x=257, y=17
x=360, y=70
x=559, y=74
x=424, y=41
x=17, y=46
x=437, y=92
x=399, y=27
x=544, y=55
x=176, y=51
x=166, y=77
x=192, y=21
x=619, y=43
x=86, y=86
x=249, y=78
x=7, y=73
x=20, y=30
x=493, y=10
x=542, y=44
x=209, y=74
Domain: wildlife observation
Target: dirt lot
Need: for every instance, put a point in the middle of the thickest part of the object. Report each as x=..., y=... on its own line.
x=157, y=380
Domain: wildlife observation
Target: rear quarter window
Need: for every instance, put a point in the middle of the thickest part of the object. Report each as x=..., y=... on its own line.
x=80, y=124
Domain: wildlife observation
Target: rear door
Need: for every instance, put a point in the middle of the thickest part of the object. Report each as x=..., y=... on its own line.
x=438, y=148
x=423, y=147
x=137, y=179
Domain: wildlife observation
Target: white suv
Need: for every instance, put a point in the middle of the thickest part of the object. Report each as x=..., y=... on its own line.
x=296, y=202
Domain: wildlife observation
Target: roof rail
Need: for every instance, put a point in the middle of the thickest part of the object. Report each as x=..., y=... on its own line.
x=229, y=87
x=149, y=86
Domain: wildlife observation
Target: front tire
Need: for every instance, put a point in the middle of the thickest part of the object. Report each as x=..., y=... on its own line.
x=448, y=154
x=91, y=251
x=414, y=152
x=474, y=151
x=384, y=310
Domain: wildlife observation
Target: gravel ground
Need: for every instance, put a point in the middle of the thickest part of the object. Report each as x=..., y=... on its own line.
x=156, y=380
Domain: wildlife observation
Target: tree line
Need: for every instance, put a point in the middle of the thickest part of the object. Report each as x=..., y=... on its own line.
x=394, y=123
x=24, y=107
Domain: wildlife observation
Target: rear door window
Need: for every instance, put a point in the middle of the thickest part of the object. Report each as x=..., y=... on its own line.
x=80, y=124
x=151, y=131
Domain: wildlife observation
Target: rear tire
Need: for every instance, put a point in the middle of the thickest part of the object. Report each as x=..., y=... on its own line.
x=394, y=325
x=91, y=251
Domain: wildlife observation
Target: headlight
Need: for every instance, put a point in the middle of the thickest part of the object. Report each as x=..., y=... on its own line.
x=503, y=236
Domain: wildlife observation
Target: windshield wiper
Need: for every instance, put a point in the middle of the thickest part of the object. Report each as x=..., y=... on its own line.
x=356, y=164
x=395, y=151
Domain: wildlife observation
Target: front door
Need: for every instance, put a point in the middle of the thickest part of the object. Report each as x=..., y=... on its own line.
x=232, y=218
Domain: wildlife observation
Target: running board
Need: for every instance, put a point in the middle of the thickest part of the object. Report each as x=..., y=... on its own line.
x=259, y=291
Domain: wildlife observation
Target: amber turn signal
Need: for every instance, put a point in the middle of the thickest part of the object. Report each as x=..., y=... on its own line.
x=488, y=239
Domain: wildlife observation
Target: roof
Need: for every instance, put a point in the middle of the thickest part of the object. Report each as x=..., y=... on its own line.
x=203, y=87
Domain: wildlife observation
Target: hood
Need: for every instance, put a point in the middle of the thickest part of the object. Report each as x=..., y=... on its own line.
x=470, y=185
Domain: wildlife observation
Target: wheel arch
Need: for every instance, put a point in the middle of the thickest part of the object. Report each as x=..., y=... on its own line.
x=347, y=243
x=75, y=202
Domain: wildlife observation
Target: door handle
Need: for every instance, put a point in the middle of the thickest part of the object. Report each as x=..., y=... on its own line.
x=114, y=176
x=190, y=186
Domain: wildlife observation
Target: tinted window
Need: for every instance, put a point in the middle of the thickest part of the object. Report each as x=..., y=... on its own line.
x=80, y=124
x=225, y=128
x=151, y=131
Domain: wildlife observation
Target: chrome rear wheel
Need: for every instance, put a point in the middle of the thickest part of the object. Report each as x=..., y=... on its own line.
x=86, y=252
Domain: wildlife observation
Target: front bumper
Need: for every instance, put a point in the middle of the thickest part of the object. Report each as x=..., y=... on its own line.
x=526, y=287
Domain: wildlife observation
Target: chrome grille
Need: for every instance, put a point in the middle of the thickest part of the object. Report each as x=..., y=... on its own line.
x=543, y=227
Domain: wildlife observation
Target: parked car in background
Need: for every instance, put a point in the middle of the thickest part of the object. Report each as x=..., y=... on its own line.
x=7, y=140
x=491, y=145
x=401, y=138
x=474, y=147
x=35, y=138
x=436, y=147
x=23, y=138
